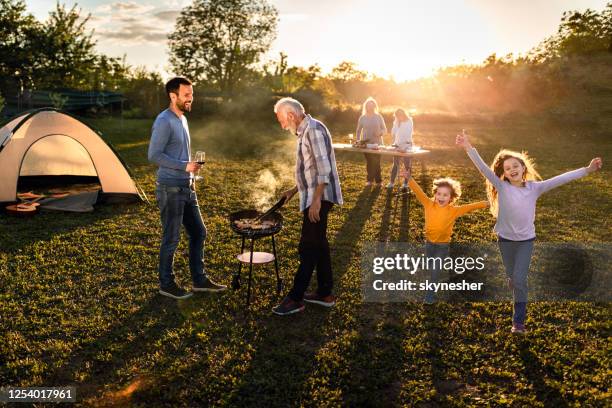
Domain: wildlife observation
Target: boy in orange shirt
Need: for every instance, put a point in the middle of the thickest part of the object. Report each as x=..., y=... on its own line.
x=440, y=217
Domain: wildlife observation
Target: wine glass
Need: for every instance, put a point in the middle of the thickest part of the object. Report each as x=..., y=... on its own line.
x=350, y=138
x=200, y=158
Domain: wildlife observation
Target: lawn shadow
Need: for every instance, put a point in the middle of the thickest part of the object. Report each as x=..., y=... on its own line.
x=384, y=233
x=48, y=224
x=436, y=325
x=285, y=355
x=376, y=358
x=351, y=229
x=127, y=339
x=404, y=226
x=536, y=374
x=393, y=206
x=281, y=351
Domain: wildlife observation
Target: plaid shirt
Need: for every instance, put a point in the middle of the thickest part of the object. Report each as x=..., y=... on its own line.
x=316, y=163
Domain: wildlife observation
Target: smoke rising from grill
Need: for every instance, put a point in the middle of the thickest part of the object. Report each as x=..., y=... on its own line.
x=271, y=147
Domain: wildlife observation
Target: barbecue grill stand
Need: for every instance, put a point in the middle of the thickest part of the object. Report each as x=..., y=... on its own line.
x=253, y=235
x=236, y=277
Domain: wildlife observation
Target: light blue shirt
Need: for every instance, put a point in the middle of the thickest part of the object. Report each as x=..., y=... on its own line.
x=169, y=148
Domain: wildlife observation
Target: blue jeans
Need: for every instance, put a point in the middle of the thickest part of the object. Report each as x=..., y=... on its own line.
x=516, y=256
x=179, y=205
x=435, y=250
x=396, y=167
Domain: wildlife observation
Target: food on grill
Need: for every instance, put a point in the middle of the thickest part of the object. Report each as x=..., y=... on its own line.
x=252, y=223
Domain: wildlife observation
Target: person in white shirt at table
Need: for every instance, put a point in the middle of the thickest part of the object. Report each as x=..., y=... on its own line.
x=402, y=138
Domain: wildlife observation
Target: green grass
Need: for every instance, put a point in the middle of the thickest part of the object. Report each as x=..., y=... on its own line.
x=78, y=302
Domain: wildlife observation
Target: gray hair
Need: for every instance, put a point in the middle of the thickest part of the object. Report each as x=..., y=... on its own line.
x=289, y=104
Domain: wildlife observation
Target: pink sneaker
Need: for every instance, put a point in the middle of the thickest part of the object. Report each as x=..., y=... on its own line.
x=518, y=328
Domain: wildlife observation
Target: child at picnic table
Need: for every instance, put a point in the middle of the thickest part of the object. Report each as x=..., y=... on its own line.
x=513, y=189
x=440, y=216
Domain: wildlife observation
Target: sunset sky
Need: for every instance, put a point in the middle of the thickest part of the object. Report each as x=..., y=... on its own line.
x=403, y=39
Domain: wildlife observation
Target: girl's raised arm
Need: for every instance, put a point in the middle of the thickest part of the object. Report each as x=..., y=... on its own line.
x=463, y=141
x=547, y=185
x=418, y=191
x=466, y=208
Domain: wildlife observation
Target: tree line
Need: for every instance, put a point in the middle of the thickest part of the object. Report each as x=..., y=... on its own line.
x=221, y=46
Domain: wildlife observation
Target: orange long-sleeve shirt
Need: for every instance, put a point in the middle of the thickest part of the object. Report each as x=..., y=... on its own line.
x=439, y=221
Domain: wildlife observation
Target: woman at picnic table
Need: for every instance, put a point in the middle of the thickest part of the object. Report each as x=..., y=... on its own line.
x=370, y=129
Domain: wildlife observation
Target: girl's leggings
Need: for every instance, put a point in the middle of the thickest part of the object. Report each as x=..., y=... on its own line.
x=516, y=256
x=396, y=167
x=435, y=250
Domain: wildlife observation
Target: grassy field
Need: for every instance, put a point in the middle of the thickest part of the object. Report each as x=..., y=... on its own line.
x=79, y=303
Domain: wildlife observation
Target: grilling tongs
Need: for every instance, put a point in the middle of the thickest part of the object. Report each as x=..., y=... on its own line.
x=275, y=207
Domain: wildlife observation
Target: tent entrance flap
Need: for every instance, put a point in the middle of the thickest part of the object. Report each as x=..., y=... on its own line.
x=57, y=155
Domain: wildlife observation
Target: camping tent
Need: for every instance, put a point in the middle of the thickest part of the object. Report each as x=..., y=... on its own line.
x=48, y=142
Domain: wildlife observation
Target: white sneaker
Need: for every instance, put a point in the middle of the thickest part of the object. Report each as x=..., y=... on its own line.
x=390, y=185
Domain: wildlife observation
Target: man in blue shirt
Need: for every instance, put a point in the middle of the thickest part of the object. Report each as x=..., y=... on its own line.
x=176, y=197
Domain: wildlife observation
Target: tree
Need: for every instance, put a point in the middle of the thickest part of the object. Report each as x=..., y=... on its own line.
x=18, y=32
x=580, y=33
x=218, y=41
x=350, y=82
x=346, y=71
x=68, y=57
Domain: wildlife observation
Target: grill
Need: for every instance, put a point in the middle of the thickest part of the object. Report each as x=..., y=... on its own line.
x=253, y=234
x=276, y=217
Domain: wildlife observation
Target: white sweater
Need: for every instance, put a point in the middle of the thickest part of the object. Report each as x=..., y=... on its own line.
x=516, y=205
x=402, y=134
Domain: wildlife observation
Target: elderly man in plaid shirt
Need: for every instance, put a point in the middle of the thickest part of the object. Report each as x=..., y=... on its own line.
x=319, y=187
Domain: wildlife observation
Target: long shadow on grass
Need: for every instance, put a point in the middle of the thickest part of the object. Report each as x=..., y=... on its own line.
x=128, y=339
x=394, y=202
x=46, y=225
x=404, y=228
x=536, y=374
x=383, y=233
x=436, y=324
x=375, y=357
x=281, y=350
x=286, y=354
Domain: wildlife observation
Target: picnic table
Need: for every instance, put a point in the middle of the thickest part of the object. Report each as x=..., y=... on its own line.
x=416, y=152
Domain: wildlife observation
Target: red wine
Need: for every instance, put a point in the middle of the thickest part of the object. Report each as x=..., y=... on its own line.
x=200, y=162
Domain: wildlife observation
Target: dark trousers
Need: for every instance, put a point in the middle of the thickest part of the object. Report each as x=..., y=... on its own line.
x=314, y=253
x=179, y=205
x=373, y=167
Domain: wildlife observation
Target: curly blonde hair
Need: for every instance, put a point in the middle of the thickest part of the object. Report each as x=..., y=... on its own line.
x=530, y=173
x=453, y=185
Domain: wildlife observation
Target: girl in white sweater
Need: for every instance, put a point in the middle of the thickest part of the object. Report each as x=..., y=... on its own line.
x=513, y=190
x=402, y=138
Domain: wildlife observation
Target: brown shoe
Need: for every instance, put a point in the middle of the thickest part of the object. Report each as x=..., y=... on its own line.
x=327, y=301
x=288, y=306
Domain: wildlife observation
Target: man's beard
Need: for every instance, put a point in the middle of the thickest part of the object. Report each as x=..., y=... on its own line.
x=291, y=127
x=182, y=107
